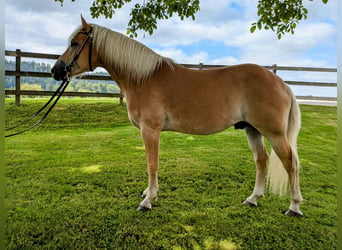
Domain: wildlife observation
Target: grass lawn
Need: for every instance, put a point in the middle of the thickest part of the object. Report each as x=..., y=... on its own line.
x=75, y=182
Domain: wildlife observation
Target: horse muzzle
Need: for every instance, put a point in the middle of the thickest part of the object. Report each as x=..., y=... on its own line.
x=59, y=71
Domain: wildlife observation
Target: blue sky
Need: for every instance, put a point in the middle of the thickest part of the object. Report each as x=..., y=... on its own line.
x=219, y=35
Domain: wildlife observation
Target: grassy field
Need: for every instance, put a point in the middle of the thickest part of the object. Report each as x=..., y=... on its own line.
x=75, y=183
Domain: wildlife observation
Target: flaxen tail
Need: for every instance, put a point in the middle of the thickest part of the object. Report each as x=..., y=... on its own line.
x=277, y=176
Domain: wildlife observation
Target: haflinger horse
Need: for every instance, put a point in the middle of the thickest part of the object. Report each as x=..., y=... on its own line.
x=162, y=95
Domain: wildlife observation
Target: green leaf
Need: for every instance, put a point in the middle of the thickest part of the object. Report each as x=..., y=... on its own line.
x=259, y=25
x=252, y=29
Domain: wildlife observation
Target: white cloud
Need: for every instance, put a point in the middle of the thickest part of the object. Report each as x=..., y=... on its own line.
x=201, y=57
x=319, y=11
x=290, y=50
x=262, y=47
x=180, y=57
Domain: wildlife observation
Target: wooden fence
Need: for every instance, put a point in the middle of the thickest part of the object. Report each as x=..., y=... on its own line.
x=18, y=73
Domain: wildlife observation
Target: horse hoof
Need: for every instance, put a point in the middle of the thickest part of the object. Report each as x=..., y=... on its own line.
x=143, y=209
x=250, y=204
x=293, y=213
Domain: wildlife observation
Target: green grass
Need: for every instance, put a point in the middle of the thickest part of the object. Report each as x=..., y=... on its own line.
x=75, y=181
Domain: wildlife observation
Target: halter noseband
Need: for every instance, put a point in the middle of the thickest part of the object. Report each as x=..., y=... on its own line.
x=89, y=39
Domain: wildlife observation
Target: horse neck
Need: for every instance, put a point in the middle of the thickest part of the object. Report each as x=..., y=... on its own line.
x=127, y=61
x=126, y=80
x=120, y=79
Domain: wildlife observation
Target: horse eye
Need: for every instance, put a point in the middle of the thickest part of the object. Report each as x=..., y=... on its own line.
x=73, y=44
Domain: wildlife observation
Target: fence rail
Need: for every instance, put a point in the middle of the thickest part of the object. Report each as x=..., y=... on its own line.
x=18, y=73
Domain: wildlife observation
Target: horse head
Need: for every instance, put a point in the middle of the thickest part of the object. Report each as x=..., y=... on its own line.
x=79, y=57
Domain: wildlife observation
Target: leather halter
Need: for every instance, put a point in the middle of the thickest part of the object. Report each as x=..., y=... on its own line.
x=88, y=39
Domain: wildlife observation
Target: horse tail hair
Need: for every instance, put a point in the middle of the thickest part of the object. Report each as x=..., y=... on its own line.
x=277, y=177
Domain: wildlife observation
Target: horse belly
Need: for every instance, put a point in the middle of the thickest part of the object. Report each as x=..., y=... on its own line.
x=199, y=122
x=202, y=110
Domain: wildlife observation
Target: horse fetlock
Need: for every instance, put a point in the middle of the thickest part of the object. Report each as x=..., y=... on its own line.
x=258, y=195
x=297, y=199
x=152, y=198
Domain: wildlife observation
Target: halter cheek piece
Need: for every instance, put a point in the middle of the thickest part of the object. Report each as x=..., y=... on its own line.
x=88, y=39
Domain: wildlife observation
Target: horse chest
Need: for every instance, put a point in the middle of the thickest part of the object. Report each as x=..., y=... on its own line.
x=145, y=111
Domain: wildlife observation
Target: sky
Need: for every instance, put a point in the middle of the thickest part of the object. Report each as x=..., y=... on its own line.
x=219, y=35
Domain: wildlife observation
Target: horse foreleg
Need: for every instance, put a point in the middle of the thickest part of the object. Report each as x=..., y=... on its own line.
x=151, y=141
x=257, y=145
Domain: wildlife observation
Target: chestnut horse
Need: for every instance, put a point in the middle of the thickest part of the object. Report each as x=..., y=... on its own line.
x=164, y=96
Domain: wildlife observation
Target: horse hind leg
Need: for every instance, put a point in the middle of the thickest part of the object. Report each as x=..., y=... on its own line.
x=257, y=145
x=285, y=156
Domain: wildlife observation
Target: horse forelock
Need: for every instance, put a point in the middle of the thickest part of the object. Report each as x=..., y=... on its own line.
x=128, y=56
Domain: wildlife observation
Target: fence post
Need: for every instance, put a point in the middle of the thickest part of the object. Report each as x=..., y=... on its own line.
x=121, y=98
x=17, y=76
x=274, y=68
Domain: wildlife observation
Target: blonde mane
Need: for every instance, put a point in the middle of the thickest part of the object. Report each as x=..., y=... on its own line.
x=129, y=57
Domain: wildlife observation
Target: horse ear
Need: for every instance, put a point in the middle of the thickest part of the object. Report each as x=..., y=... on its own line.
x=85, y=25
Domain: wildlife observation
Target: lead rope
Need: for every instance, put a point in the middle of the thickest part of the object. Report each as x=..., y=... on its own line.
x=61, y=88
x=58, y=92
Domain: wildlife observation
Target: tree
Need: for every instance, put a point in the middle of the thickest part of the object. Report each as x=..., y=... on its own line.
x=281, y=16
x=144, y=16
